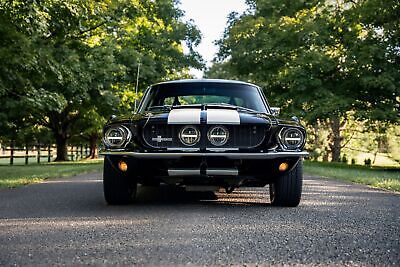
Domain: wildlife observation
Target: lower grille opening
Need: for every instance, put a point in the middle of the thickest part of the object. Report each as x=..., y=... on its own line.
x=209, y=171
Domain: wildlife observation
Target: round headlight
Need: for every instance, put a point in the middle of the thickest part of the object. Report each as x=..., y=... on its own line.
x=189, y=135
x=291, y=138
x=117, y=136
x=218, y=135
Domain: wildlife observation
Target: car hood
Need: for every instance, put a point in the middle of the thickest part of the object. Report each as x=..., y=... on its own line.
x=207, y=116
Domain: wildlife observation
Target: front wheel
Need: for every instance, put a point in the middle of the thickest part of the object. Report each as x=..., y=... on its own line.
x=286, y=191
x=119, y=187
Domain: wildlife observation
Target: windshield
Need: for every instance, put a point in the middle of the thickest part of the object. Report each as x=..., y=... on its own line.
x=164, y=96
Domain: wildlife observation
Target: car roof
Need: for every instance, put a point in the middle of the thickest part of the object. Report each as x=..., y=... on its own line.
x=205, y=81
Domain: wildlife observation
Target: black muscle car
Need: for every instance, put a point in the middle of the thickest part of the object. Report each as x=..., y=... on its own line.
x=203, y=135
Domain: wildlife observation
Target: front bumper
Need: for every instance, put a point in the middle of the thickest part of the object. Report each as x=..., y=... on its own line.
x=229, y=155
x=205, y=168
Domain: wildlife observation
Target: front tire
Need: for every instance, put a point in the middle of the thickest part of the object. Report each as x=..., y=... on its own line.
x=286, y=191
x=119, y=187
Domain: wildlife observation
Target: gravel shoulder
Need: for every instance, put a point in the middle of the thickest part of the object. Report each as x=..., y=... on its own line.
x=66, y=222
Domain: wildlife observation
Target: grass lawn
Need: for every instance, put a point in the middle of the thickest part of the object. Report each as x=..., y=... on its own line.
x=17, y=175
x=380, y=177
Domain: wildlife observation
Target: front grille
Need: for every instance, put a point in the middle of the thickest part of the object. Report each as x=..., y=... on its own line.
x=240, y=136
x=153, y=135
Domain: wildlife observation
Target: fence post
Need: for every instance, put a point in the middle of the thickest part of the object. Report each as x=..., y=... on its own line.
x=81, y=146
x=12, y=153
x=86, y=150
x=38, y=153
x=26, y=154
x=76, y=153
x=48, y=153
x=72, y=153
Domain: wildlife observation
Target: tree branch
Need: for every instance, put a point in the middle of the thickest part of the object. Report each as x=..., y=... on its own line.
x=89, y=29
x=351, y=137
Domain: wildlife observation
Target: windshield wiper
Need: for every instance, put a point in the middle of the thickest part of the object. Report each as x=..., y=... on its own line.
x=165, y=107
x=234, y=106
x=170, y=107
x=247, y=109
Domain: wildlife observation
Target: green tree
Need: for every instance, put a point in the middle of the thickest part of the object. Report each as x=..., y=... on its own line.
x=80, y=57
x=319, y=60
x=220, y=70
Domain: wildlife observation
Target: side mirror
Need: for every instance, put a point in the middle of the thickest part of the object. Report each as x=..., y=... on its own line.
x=275, y=111
x=294, y=118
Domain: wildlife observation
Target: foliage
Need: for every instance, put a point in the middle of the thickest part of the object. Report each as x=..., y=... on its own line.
x=61, y=60
x=319, y=60
x=362, y=140
x=220, y=70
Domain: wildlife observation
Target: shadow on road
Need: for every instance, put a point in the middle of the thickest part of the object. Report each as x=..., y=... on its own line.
x=82, y=196
x=168, y=195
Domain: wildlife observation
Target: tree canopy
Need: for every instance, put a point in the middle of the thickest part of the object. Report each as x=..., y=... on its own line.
x=62, y=60
x=319, y=60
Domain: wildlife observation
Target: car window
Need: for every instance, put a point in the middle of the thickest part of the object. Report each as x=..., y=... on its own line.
x=205, y=99
x=196, y=93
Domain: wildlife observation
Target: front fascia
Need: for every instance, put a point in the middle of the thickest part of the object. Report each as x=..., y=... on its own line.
x=266, y=150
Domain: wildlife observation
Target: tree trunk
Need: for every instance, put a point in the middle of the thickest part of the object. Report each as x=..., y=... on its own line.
x=325, y=157
x=62, y=150
x=60, y=124
x=93, y=145
x=335, y=139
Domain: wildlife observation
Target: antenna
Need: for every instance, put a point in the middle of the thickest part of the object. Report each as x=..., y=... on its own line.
x=137, y=83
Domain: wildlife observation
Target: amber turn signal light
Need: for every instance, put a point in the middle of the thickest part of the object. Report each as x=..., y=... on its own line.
x=283, y=166
x=123, y=166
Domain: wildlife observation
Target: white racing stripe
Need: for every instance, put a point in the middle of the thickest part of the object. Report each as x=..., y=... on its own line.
x=214, y=116
x=184, y=116
x=222, y=116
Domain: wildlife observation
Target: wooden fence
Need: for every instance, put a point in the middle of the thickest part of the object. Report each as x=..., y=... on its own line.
x=39, y=153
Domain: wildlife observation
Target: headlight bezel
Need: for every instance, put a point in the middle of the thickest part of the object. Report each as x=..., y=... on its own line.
x=285, y=137
x=126, y=136
x=197, y=138
x=210, y=138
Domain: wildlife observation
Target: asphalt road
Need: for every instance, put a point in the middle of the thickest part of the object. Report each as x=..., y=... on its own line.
x=66, y=222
